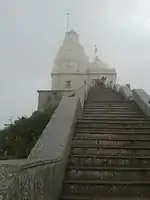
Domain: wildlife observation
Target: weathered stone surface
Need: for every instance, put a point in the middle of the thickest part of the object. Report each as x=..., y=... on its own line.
x=55, y=137
x=31, y=179
x=142, y=99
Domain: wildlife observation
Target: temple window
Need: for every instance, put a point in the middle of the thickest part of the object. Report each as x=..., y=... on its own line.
x=68, y=63
x=68, y=84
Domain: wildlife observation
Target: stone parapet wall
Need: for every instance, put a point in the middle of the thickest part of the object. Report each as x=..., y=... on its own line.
x=143, y=100
x=40, y=176
x=126, y=92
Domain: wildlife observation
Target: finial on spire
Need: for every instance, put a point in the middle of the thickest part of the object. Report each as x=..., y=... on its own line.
x=96, y=51
x=67, y=21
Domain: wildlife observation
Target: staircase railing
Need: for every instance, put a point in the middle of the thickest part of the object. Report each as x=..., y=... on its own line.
x=140, y=96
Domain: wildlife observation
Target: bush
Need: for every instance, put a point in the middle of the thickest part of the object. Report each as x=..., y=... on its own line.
x=19, y=137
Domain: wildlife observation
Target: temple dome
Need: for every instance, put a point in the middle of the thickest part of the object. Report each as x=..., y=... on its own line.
x=97, y=64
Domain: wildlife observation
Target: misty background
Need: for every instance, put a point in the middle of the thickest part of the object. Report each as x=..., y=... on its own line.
x=31, y=32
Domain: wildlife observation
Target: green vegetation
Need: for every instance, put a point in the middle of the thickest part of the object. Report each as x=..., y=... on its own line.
x=19, y=137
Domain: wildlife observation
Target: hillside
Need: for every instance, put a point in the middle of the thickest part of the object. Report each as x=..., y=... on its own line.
x=18, y=138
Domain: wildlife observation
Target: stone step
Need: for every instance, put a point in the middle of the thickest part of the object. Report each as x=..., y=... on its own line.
x=109, y=105
x=108, y=142
x=97, y=121
x=99, y=146
x=113, y=126
x=113, y=102
x=105, y=161
x=107, y=188
x=110, y=108
x=112, y=142
x=114, y=118
x=107, y=98
x=94, y=96
x=79, y=197
x=115, y=157
x=109, y=112
x=104, y=93
x=122, y=139
x=111, y=152
x=113, y=183
x=114, y=174
x=96, y=133
x=107, y=169
x=101, y=104
x=135, y=114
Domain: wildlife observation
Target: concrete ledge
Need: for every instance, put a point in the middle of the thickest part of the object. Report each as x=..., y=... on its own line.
x=57, y=134
x=29, y=179
x=142, y=99
x=126, y=92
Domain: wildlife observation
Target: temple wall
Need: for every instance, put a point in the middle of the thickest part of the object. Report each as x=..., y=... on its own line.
x=59, y=82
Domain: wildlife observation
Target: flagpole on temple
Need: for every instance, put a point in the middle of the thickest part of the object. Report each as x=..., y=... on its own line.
x=67, y=21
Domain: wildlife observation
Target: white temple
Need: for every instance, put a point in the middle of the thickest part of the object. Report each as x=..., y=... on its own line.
x=72, y=70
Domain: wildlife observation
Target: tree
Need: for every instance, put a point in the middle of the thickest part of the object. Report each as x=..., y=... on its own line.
x=19, y=137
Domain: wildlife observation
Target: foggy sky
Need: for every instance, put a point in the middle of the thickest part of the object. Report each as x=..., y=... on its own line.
x=31, y=32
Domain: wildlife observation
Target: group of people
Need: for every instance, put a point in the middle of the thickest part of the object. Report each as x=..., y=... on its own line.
x=102, y=83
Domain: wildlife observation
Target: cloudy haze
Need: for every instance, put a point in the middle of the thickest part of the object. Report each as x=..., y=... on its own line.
x=32, y=30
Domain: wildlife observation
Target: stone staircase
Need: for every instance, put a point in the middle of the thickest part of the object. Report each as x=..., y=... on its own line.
x=110, y=152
